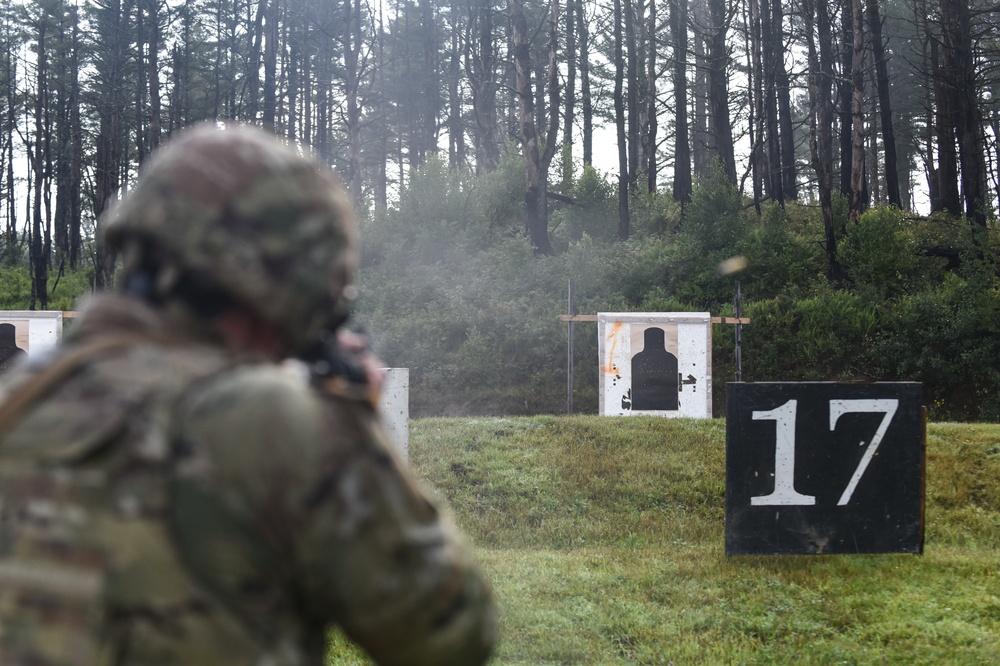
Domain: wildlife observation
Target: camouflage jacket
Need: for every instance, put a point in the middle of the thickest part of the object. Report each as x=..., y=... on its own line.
x=167, y=503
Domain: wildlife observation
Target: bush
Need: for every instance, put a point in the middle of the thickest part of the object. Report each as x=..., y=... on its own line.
x=879, y=255
x=714, y=229
x=823, y=337
x=948, y=338
x=65, y=291
x=594, y=214
x=782, y=259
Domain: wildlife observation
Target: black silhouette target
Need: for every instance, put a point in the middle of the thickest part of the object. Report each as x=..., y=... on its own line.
x=654, y=374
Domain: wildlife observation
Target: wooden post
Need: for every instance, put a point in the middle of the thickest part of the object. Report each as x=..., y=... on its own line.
x=738, y=311
x=569, y=352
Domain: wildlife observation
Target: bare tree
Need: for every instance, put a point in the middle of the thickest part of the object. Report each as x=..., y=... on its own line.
x=13, y=102
x=536, y=158
x=649, y=137
x=68, y=149
x=884, y=103
x=683, y=182
x=586, y=102
x=624, y=162
x=771, y=55
x=718, y=86
x=961, y=83
x=153, y=120
x=857, y=113
x=569, y=90
x=111, y=56
x=40, y=156
x=354, y=66
x=481, y=61
x=457, y=152
x=782, y=87
x=819, y=40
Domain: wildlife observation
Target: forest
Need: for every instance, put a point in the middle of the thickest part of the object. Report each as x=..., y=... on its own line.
x=498, y=149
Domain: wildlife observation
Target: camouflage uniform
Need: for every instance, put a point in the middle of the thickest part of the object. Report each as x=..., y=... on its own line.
x=168, y=500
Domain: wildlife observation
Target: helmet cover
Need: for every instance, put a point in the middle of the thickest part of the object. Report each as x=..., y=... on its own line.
x=247, y=216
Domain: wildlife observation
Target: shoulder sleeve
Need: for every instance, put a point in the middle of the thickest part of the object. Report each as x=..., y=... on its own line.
x=322, y=513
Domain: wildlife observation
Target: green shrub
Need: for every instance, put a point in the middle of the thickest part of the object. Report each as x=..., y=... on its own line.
x=64, y=292
x=823, y=337
x=780, y=258
x=948, y=338
x=714, y=229
x=595, y=213
x=15, y=287
x=879, y=255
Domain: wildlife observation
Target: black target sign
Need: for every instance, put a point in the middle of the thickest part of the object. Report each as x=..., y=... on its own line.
x=820, y=467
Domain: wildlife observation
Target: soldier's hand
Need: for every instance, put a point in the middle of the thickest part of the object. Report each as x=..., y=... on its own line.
x=356, y=345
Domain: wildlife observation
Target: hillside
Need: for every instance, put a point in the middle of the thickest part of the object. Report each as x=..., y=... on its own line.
x=604, y=541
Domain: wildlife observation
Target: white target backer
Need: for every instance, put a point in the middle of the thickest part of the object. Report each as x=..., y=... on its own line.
x=26, y=333
x=657, y=363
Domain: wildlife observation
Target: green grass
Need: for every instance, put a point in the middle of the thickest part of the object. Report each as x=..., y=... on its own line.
x=604, y=541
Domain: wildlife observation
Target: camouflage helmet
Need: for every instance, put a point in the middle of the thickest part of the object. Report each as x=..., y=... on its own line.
x=247, y=217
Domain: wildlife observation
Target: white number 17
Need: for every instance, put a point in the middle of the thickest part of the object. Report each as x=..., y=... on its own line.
x=784, y=493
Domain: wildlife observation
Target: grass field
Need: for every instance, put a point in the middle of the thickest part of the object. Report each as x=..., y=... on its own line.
x=604, y=541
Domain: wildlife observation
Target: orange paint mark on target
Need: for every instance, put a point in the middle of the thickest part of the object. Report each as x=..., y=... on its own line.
x=609, y=368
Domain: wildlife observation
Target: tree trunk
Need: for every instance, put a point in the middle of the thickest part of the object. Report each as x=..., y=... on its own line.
x=718, y=86
x=968, y=117
x=885, y=105
x=536, y=159
x=701, y=135
x=111, y=67
x=683, y=183
x=586, y=104
x=11, y=98
x=306, y=133
x=948, y=196
x=456, y=127
x=428, y=129
x=481, y=70
x=755, y=100
x=771, y=53
x=632, y=106
x=294, y=41
x=60, y=89
x=651, y=111
x=352, y=83
x=153, y=74
x=821, y=120
x=75, y=147
x=381, y=184
x=65, y=94
x=857, y=114
x=569, y=93
x=782, y=88
x=995, y=124
x=330, y=18
x=623, y=158
x=873, y=179
x=269, y=96
x=140, y=105
x=252, y=70
x=39, y=159
x=845, y=91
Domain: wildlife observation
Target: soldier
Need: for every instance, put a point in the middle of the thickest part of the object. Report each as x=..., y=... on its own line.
x=172, y=494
